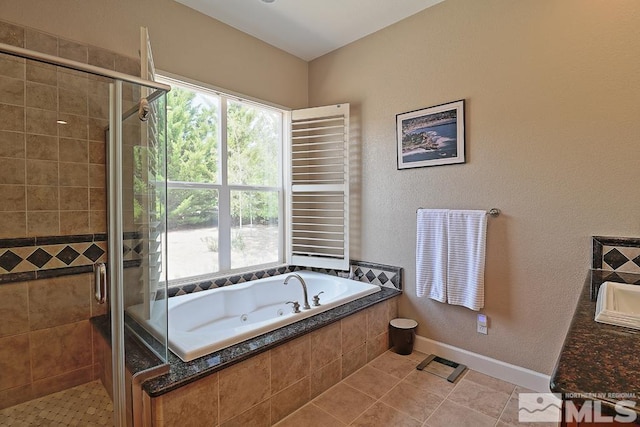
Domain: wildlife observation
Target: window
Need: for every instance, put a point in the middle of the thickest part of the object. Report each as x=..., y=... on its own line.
x=225, y=199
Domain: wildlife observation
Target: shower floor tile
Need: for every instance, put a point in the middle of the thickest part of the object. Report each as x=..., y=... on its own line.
x=85, y=405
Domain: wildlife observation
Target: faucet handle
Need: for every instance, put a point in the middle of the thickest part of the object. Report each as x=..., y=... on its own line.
x=316, y=299
x=296, y=306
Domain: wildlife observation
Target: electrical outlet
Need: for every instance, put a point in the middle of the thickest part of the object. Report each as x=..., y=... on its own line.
x=483, y=321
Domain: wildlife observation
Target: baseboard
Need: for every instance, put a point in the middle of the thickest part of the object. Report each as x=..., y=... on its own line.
x=517, y=375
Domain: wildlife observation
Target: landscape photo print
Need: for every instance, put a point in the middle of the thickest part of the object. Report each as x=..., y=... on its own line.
x=431, y=136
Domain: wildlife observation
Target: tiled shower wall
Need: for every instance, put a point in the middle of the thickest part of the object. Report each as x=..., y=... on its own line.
x=53, y=212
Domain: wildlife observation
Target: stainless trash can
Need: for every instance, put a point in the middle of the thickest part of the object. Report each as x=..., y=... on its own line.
x=403, y=334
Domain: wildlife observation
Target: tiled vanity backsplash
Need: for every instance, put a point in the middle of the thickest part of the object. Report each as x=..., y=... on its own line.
x=619, y=254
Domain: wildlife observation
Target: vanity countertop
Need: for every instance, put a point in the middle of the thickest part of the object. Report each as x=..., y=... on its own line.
x=599, y=361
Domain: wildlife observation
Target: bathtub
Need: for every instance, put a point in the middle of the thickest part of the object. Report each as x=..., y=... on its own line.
x=207, y=321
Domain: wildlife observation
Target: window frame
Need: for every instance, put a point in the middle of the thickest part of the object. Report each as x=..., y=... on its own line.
x=225, y=189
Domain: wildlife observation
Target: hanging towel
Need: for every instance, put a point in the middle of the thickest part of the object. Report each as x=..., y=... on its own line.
x=431, y=254
x=466, y=258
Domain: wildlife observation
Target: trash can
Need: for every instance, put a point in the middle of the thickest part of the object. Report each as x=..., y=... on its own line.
x=402, y=333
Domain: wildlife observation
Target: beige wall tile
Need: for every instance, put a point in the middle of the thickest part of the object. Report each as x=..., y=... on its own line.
x=74, y=222
x=74, y=174
x=325, y=345
x=72, y=101
x=11, y=34
x=290, y=362
x=71, y=50
x=12, y=144
x=74, y=199
x=244, y=385
x=11, y=66
x=42, y=147
x=193, y=404
x=101, y=58
x=43, y=223
x=325, y=377
x=11, y=118
x=354, y=331
x=62, y=382
x=377, y=345
x=97, y=221
x=257, y=416
x=73, y=80
x=98, y=199
x=42, y=172
x=42, y=96
x=13, y=224
x=97, y=128
x=354, y=360
x=41, y=42
x=290, y=399
x=97, y=152
x=60, y=300
x=12, y=171
x=41, y=198
x=74, y=150
x=11, y=91
x=127, y=65
x=98, y=106
x=76, y=126
x=14, y=396
x=42, y=122
x=377, y=319
x=41, y=73
x=14, y=310
x=61, y=349
x=13, y=198
x=14, y=361
x=97, y=176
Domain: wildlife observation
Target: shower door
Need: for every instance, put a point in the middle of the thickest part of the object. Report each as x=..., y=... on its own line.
x=137, y=224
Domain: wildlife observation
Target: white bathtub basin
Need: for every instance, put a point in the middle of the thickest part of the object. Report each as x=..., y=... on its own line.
x=618, y=304
x=203, y=322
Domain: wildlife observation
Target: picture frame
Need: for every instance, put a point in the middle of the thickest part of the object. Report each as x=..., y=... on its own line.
x=431, y=136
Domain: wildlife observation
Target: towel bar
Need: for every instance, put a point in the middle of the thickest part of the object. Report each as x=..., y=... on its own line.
x=494, y=212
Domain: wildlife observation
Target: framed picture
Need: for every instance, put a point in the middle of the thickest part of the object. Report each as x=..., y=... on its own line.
x=431, y=136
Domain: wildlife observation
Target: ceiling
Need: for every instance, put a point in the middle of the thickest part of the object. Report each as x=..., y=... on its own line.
x=309, y=28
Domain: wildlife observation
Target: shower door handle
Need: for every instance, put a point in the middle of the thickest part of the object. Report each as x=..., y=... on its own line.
x=100, y=282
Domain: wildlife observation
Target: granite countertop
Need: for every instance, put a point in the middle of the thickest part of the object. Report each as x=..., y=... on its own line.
x=599, y=361
x=182, y=373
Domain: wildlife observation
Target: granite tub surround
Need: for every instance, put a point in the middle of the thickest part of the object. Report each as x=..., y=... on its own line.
x=597, y=358
x=263, y=380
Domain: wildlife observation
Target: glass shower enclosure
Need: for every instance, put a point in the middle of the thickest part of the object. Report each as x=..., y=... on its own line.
x=136, y=218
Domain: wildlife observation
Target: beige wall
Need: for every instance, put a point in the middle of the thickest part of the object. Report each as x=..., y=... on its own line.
x=553, y=125
x=184, y=42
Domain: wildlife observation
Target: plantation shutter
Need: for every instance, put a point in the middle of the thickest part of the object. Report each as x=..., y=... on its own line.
x=319, y=193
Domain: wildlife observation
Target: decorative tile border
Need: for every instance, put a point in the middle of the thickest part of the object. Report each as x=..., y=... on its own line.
x=619, y=254
x=35, y=258
x=377, y=274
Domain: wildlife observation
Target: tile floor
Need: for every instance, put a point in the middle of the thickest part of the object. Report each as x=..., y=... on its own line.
x=389, y=391
x=85, y=405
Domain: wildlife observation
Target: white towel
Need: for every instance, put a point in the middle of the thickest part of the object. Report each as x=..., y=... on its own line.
x=466, y=254
x=450, y=256
x=431, y=254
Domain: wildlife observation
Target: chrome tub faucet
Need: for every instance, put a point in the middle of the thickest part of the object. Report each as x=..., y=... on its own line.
x=306, y=305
